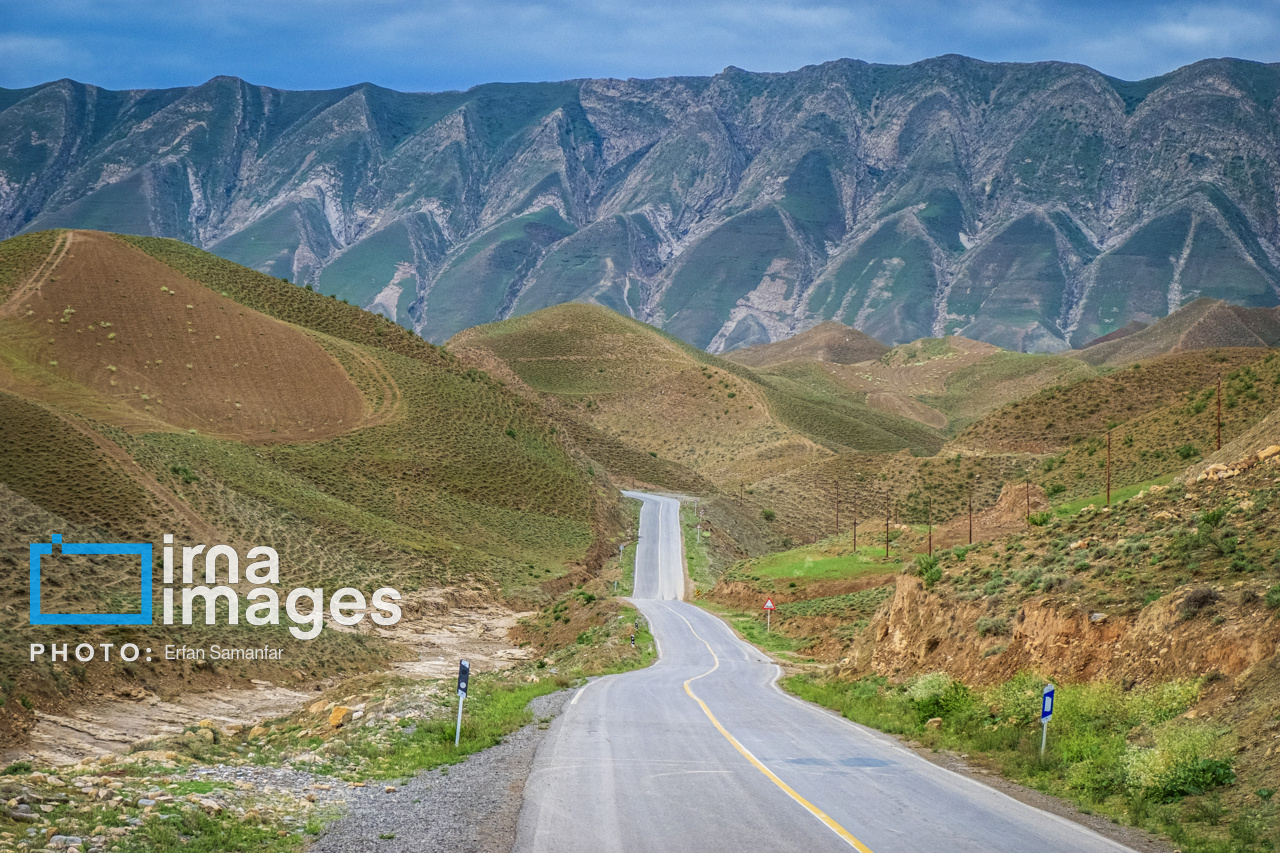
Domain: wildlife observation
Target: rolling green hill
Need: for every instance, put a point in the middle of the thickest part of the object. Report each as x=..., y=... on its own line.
x=144, y=388
x=673, y=402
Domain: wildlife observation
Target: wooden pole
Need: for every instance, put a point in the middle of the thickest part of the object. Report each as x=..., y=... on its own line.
x=1108, y=467
x=1219, y=411
x=886, y=525
x=855, y=521
x=930, y=516
x=1028, y=497
x=970, y=515
x=837, y=507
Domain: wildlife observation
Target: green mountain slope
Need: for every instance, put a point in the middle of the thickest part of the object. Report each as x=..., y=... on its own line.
x=1034, y=206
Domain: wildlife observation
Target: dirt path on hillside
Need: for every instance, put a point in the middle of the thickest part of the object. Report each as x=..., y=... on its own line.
x=131, y=470
x=384, y=402
x=39, y=277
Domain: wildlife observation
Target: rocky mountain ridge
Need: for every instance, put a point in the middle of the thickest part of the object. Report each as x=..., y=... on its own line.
x=1033, y=206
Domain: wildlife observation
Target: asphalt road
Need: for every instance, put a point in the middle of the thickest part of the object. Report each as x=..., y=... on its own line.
x=703, y=752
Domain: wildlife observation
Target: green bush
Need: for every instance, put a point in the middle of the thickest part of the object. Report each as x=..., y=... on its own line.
x=768, y=514
x=993, y=625
x=929, y=570
x=1039, y=519
x=1197, y=777
x=1272, y=598
x=1187, y=451
x=938, y=695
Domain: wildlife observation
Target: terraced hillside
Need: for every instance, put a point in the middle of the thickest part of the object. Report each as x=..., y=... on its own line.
x=1033, y=206
x=148, y=387
x=669, y=400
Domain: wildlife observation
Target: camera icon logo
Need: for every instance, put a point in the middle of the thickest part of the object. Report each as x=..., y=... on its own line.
x=141, y=550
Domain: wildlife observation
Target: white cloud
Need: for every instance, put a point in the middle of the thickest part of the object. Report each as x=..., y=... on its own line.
x=412, y=44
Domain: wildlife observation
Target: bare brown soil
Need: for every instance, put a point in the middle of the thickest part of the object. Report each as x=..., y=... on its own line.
x=1008, y=515
x=900, y=404
x=114, y=320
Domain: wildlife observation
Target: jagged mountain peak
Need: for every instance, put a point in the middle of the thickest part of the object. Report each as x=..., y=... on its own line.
x=1035, y=206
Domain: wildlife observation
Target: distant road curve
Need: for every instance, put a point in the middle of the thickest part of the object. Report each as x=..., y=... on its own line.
x=703, y=752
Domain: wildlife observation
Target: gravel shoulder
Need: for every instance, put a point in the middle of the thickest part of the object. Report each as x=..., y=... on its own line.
x=470, y=807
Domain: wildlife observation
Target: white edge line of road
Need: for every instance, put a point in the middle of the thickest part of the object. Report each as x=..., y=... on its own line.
x=895, y=744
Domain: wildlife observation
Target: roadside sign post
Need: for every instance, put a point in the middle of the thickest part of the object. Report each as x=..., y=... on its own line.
x=1046, y=713
x=768, y=614
x=464, y=674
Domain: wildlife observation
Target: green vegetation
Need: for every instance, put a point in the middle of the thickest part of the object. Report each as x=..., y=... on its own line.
x=825, y=560
x=23, y=256
x=697, y=559
x=751, y=627
x=198, y=832
x=494, y=708
x=1127, y=754
x=850, y=606
x=1119, y=494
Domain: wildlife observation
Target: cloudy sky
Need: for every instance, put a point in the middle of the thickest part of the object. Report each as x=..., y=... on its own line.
x=431, y=45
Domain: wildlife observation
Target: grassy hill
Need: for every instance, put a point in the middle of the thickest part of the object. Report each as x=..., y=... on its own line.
x=1161, y=412
x=942, y=383
x=673, y=402
x=148, y=387
x=1202, y=324
x=832, y=342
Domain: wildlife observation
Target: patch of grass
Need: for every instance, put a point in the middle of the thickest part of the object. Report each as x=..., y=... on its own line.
x=1116, y=752
x=1119, y=494
x=848, y=606
x=816, y=562
x=492, y=711
x=752, y=629
x=695, y=549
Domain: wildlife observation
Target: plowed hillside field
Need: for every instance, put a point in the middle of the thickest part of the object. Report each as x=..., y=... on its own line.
x=107, y=317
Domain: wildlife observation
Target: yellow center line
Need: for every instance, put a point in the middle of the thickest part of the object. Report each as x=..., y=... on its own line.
x=759, y=765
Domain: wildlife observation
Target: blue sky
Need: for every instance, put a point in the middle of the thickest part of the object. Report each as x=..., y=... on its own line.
x=432, y=45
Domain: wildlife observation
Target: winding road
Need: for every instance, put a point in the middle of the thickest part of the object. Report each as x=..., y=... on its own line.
x=703, y=752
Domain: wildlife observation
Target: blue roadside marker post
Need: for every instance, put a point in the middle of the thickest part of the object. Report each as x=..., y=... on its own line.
x=464, y=673
x=1046, y=713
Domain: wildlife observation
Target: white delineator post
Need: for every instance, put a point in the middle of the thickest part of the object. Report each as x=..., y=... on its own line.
x=464, y=674
x=1046, y=713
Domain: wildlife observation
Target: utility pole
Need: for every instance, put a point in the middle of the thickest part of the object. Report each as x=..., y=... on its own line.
x=886, y=524
x=971, y=515
x=855, y=521
x=930, y=516
x=1028, y=497
x=1219, y=411
x=1108, y=467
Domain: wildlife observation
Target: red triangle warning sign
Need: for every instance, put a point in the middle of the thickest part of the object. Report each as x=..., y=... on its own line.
x=768, y=604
